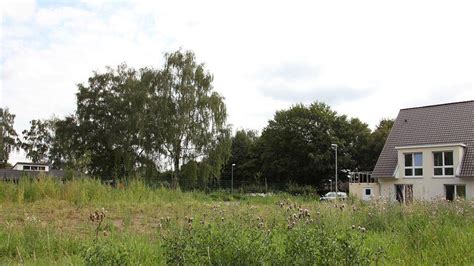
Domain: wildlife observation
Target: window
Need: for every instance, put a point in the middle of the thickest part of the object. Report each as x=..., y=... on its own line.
x=404, y=193
x=455, y=191
x=26, y=167
x=443, y=163
x=413, y=164
x=42, y=168
x=368, y=191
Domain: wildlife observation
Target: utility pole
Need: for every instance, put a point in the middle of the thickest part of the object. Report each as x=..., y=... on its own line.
x=334, y=146
x=232, y=179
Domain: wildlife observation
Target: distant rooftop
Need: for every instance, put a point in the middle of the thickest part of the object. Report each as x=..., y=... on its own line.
x=32, y=163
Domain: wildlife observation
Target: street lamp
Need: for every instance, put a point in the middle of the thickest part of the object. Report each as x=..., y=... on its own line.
x=232, y=179
x=334, y=147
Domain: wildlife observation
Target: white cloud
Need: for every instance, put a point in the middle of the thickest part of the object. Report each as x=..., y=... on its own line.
x=17, y=10
x=383, y=55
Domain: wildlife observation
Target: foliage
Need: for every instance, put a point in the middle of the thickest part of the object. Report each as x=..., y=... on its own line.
x=36, y=141
x=296, y=144
x=245, y=157
x=111, y=114
x=161, y=226
x=128, y=122
x=107, y=253
x=8, y=136
x=377, y=140
x=194, y=115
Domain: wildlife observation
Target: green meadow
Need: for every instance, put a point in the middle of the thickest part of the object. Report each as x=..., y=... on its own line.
x=45, y=222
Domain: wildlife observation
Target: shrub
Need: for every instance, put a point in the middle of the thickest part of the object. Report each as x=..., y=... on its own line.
x=107, y=252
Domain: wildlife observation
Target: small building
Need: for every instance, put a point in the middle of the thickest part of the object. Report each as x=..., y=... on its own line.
x=24, y=166
x=428, y=154
x=27, y=169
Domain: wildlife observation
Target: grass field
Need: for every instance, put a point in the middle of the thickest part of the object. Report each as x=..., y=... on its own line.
x=84, y=222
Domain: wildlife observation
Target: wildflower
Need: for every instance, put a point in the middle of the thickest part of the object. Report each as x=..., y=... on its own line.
x=160, y=225
x=222, y=219
x=260, y=225
x=306, y=213
x=105, y=233
x=353, y=226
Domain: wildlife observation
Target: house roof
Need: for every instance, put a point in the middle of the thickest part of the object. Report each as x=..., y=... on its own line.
x=28, y=163
x=428, y=125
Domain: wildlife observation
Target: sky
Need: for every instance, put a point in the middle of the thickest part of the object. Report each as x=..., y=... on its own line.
x=366, y=59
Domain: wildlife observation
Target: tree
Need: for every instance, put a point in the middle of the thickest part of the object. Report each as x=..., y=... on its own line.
x=353, y=137
x=37, y=141
x=193, y=114
x=67, y=150
x=199, y=174
x=111, y=116
x=243, y=154
x=8, y=136
x=296, y=144
x=377, y=141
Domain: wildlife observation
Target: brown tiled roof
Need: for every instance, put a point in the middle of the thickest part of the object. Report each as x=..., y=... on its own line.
x=434, y=124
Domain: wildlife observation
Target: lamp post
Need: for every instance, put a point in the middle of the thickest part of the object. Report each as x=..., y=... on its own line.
x=330, y=182
x=334, y=146
x=232, y=179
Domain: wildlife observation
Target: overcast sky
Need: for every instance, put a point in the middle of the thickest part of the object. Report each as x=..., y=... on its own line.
x=366, y=59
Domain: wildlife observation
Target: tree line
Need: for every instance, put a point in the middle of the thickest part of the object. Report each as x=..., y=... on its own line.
x=171, y=122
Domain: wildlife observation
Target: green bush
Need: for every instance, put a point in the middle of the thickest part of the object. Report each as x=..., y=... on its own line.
x=106, y=252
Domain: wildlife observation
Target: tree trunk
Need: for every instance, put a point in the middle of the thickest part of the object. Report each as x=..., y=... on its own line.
x=174, y=182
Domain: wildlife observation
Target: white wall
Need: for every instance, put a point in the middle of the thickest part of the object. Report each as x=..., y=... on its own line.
x=21, y=167
x=428, y=186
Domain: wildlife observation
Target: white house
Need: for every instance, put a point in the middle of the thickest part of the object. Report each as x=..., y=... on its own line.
x=428, y=154
x=31, y=166
x=25, y=169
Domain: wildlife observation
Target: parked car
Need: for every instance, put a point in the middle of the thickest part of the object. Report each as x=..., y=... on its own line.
x=332, y=196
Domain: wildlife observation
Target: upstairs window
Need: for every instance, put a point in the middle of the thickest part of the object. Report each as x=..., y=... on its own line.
x=414, y=164
x=443, y=163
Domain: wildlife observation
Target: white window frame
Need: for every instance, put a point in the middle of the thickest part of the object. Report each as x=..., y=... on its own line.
x=412, y=167
x=443, y=166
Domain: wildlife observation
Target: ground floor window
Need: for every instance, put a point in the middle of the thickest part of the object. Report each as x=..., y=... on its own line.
x=455, y=191
x=404, y=193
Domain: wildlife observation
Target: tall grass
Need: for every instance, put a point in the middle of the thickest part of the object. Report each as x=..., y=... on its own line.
x=46, y=222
